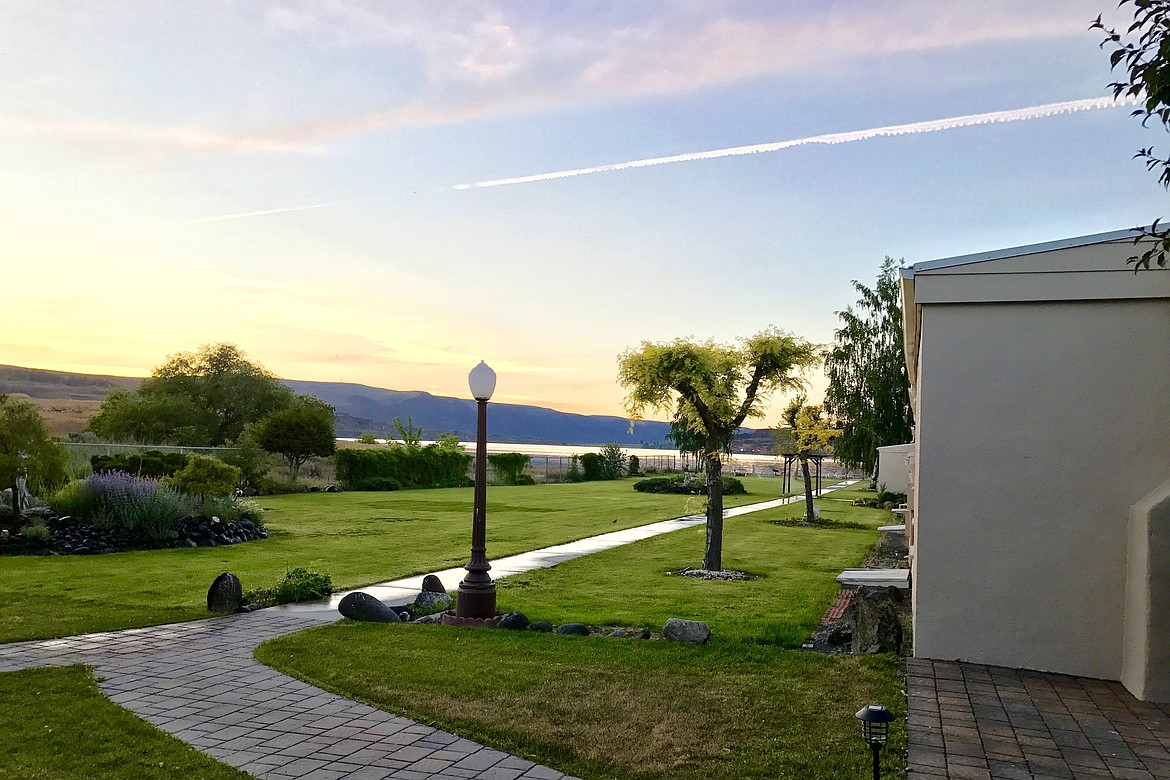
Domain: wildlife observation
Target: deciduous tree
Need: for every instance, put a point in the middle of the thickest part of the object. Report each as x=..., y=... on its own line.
x=869, y=390
x=27, y=451
x=808, y=433
x=713, y=388
x=1143, y=52
x=299, y=431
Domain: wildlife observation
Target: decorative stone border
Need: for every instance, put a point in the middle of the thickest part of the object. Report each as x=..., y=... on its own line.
x=451, y=619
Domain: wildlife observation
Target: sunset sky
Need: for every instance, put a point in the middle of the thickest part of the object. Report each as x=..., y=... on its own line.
x=287, y=176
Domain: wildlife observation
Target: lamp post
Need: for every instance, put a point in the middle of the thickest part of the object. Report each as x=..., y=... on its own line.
x=875, y=728
x=477, y=592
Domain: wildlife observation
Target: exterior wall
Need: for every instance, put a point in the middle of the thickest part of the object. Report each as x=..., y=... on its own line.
x=1038, y=426
x=893, y=470
x=1146, y=661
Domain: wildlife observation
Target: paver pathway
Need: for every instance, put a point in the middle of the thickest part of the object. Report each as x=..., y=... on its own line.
x=975, y=722
x=199, y=682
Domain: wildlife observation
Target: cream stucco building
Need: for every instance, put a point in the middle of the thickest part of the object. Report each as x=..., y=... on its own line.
x=1040, y=482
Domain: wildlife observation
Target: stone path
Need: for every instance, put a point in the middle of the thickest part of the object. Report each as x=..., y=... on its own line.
x=199, y=682
x=974, y=722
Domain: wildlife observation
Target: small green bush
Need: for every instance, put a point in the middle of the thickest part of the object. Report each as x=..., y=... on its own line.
x=678, y=485
x=206, y=476
x=277, y=487
x=37, y=537
x=612, y=461
x=591, y=467
x=884, y=496
x=574, y=473
x=367, y=438
x=525, y=479
x=509, y=466
x=298, y=585
x=635, y=466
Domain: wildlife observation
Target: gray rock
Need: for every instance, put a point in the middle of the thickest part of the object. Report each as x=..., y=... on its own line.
x=573, y=629
x=429, y=602
x=514, y=621
x=873, y=616
x=630, y=633
x=364, y=607
x=432, y=584
x=693, y=632
x=225, y=594
x=543, y=626
x=428, y=619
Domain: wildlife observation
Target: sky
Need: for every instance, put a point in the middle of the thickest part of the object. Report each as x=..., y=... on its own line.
x=356, y=191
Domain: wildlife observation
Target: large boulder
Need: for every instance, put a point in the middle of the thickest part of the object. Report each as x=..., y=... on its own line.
x=514, y=621
x=874, y=618
x=542, y=626
x=429, y=602
x=692, y=632
x=573, y=629
x=364, y=607
x=225, y=594
x=432, y=584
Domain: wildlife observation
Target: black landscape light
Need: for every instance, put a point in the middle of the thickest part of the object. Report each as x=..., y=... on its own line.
x=477, y=592
x=875, y=728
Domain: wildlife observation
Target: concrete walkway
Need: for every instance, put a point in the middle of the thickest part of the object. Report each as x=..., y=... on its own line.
x=199, y=682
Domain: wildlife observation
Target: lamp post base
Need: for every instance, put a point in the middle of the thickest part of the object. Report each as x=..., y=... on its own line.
x=476, y=602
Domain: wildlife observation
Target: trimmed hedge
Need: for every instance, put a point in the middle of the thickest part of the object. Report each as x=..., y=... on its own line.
x=731, y=486
x=394, y=467
x=151, y=464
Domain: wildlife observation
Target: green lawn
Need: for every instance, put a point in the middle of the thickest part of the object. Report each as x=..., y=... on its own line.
x=744, y=706
x=357, y=538
x=56, y=724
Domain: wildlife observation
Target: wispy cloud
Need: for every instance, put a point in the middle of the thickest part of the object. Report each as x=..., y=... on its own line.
x=851, y=136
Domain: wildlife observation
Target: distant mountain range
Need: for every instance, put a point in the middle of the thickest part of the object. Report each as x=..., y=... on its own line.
x=363, y=409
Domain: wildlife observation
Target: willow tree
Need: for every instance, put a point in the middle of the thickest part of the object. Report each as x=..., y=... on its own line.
x=869, y=389
x=712, y=389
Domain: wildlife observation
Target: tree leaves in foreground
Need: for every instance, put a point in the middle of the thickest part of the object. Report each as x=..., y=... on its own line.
x=712, y=388
x=1145, y=61
x=869, y=390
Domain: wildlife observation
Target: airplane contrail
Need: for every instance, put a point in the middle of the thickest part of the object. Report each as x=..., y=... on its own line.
x=930, y=126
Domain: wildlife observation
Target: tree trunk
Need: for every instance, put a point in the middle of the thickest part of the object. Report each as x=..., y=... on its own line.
x=713, y=559
x=808, y=496
x=16, y=516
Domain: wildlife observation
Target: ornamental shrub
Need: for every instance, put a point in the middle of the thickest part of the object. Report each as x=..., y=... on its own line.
x=408, y=467
x=509, y=466
x=612, y=461
x=574, y=472
x=678, y=485
x=152, y=463
x=206, y=476
x=591, y=469
x=119, y=501
x=298, y=585
x=634, y=469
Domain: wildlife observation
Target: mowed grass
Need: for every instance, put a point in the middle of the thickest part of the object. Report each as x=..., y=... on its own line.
x=57, y=724
x=357, y=538
x=746, y=705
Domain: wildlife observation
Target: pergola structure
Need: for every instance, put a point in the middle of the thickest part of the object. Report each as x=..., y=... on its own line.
x=790, y=460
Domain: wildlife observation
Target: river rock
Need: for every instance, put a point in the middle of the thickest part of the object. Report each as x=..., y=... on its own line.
x=514, y=621
x=364, y=607
x=543, y=626
x=225, y=594
x=573, y=629
x=693, y=632
x=429, y=619
x=432, y=584
x=630, y=633
x=429, y=602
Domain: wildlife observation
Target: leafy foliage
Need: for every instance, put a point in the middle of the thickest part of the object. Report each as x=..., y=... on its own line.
x=810, y=433
x=678, y=485
x=298, y=585
x=299, y=431
x=1146, y=63
x=613, y=461
x=144, y=508
x=712, y=388
x=153, y=464
x=27, y=451
x=206, y=476
x=574, y=473
x=195, y=399
x=869, y=389
x=392, y=468
x=509, y=466
x=411, y=436
x=367, y=438
x=635, y=467
x=249, y=457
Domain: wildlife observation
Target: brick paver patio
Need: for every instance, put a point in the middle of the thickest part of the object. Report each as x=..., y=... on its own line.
x=974, y=722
